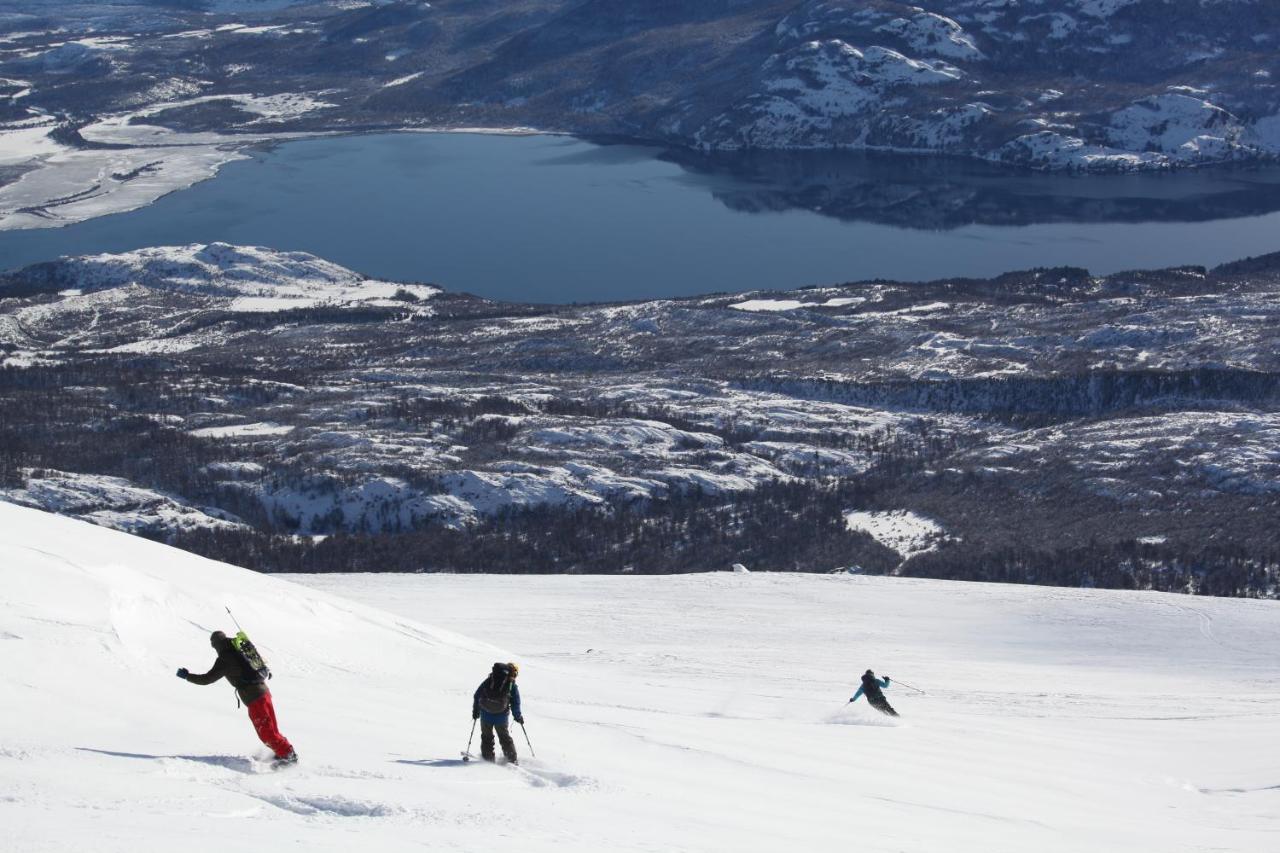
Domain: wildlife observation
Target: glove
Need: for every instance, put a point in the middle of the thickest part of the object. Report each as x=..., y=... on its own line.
x=182, y=673
x=520, y=720
x=887, y=678
x=475, y=715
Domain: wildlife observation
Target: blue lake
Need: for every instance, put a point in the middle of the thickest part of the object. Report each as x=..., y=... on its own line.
x=555, y=219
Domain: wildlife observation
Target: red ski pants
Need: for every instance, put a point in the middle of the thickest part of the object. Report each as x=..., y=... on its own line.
x=263, y=715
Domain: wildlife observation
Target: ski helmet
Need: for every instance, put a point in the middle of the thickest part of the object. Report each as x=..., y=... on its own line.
x=514, y=669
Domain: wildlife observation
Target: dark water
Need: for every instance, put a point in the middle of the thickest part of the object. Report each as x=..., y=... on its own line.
x=560, y=220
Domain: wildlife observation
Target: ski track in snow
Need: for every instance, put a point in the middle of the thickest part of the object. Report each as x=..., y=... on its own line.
x=687, y=713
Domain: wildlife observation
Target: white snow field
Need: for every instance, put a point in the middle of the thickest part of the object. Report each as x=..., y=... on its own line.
x=698, y=713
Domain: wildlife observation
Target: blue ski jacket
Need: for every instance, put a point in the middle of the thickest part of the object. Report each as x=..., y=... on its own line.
x=498, y=719
x=883, y=682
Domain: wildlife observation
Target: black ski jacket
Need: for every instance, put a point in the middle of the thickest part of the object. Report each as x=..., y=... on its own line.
x=249, y=688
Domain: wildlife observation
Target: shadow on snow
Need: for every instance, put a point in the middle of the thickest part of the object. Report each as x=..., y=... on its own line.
x=237, y=763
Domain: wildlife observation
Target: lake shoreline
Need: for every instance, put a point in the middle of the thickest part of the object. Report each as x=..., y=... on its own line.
x=536, y=217
x=57, y=180
x=177, y=165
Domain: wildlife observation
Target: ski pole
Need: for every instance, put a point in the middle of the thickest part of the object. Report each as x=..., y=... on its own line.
x=233, y=618
x=466, y=756
x=909, y=687
x=526, y=740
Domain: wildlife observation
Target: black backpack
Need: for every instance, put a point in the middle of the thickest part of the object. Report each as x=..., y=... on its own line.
x=495, y=693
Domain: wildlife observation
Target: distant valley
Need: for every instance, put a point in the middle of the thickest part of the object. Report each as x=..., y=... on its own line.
x=281, y=412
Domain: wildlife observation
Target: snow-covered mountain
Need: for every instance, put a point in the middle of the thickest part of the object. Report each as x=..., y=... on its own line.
x=1082, y=84
x=1050, y=719
x=128, y=101
x=277, y=409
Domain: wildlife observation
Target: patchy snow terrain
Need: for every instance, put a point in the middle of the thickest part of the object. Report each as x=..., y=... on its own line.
x=114, y=502
x=893, y=76
x=1058, y=427
x=245, y=278
x=905, y=532
x=698, y=713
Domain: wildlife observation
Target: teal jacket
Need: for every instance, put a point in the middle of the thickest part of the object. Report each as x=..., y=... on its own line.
x=883, y=682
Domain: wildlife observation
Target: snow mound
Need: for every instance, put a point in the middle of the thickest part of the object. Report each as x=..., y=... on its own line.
x=1187, y=128
x=928, y=32
x=1160, y=131
x=252, y=278
x=1053, y=150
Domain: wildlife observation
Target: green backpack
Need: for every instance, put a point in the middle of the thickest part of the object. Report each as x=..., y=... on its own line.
x=252, y=661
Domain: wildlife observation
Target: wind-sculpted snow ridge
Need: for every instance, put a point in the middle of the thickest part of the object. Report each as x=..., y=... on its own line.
x=652, y=703
x=1049, y=422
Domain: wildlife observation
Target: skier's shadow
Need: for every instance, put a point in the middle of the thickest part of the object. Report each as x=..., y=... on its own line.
x=432, y=762
x=230, y=762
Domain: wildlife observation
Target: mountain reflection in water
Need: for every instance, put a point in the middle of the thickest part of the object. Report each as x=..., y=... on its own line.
x=941, y=193
x=557, y=219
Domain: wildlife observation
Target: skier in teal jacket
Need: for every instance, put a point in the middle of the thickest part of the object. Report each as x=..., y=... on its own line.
x=871, y=688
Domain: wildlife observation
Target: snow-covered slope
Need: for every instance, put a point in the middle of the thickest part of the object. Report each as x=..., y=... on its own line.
x=102, y=748
x=696, y=713
x=252, y=278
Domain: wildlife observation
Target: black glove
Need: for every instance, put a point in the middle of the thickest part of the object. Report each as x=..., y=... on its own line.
x=520, y=720
x=887, y=678
x=182, y=673
x=475, y=715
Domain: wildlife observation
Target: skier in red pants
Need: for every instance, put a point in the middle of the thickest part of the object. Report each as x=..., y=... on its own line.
x=252, y=690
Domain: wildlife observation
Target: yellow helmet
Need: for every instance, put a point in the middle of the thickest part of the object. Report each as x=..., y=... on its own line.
x=514, y=667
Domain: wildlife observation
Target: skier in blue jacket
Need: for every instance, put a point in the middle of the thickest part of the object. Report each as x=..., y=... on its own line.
x=496, y=700
x=871, y=688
